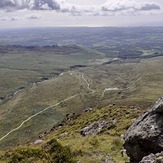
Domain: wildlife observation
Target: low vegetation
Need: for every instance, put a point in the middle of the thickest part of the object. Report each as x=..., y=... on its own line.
x=50, y=152
x=57, y=91
x=91, y=148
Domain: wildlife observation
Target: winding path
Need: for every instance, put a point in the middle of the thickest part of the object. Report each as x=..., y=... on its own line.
x=36, y=114
x=103, y=94
x=67, y=99
x=139, y=78
x=136, y=81
x=88, y=85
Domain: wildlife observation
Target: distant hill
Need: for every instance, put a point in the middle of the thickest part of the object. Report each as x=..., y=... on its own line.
x=22, y=65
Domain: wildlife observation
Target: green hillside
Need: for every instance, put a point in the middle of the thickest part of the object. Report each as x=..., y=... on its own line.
x=21, y=66
x=138, y=85
x=51, y=95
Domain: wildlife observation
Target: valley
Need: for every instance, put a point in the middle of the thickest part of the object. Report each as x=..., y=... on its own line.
x=54, y=91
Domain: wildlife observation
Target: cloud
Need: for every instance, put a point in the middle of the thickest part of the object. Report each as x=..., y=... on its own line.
x=33, y=16
x=13, y=19
x=150, y=6
x=6, y=3
x=128, y=7
x=110, y=7
x=46, y=4
x=4, y=19
x=125, y=5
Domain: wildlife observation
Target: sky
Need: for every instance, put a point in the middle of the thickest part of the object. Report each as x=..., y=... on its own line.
x=91, y=13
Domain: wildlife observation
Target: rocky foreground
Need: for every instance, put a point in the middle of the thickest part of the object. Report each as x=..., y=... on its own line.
x=144, y=139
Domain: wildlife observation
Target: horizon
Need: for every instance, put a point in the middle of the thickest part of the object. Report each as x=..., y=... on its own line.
x=74, y=13
x=70, y=35
x=57, y=27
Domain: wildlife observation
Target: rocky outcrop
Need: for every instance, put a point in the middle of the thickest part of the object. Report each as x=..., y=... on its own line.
x=95, y=128
x=145, y=136
x=108, y=160
x=153, y=158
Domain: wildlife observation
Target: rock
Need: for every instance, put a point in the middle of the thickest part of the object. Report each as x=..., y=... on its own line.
x=64, y=134
x=132, y=107
x=119, y=92
x=145, y=136
x=45, y=78
x=78, y=162
x=38, y=141
x=153, y=158
x=2, y=98
x=77, y=66
x=123, y=152
x=44, y=134
x=88, y=110
x=95, y=128
x=108, y=160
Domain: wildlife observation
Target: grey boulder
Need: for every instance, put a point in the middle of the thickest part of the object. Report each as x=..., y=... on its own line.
x=145, y=136
x=95, y=128
x=153, y=158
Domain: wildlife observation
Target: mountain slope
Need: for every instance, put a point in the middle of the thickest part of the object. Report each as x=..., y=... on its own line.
x=74, y=91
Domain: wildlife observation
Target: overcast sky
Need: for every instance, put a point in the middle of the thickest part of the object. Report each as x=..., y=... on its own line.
x=54, y=13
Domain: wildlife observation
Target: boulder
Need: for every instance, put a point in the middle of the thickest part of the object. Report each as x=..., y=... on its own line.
x=153, y=158
x=145, y=136
x=39, y=141
x=95, y=128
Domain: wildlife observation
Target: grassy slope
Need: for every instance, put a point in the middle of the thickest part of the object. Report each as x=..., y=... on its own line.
x=41, y=95
x=34, y=99
x=92, y=149
x=107, y=143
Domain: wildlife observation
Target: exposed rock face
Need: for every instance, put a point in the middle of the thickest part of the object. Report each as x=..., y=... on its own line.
x=95, y=128
x=145, y=136
x=153, y=158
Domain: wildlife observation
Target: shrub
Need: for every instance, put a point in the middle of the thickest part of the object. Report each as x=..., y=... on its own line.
x=52, y=152
x=94, y=142
x=59, y=154
x=117, y=144
x=26, y=154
